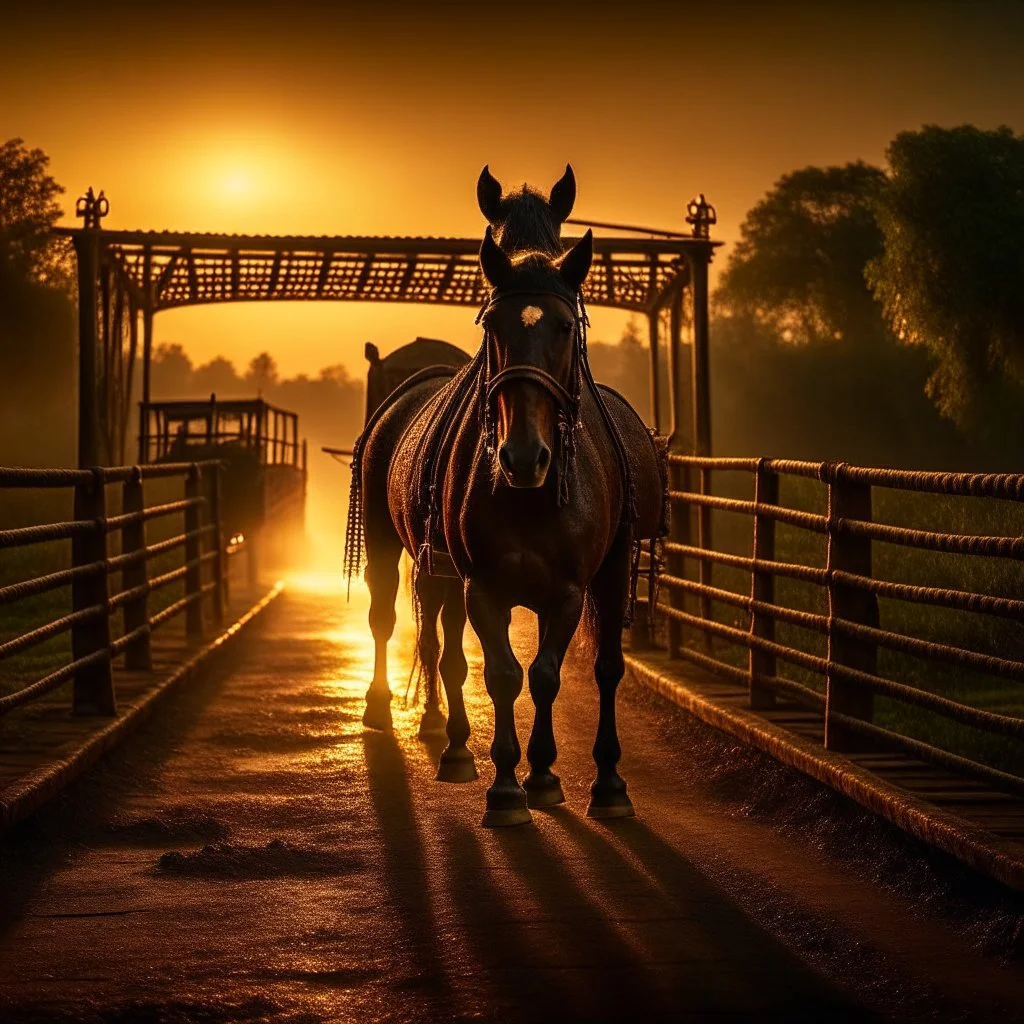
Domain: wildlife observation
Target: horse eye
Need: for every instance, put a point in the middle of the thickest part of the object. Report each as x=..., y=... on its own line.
x=566, y=326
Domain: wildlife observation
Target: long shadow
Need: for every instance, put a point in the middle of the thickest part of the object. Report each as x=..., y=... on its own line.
x=612, y=971
x=715, y=958
x=520, y=976
x=405, y=871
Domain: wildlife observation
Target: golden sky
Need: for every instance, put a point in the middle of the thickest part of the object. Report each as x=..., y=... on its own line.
x=324, y=119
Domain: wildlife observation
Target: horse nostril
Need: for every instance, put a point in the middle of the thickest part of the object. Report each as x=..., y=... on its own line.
x=505, y=458
x=543, y=458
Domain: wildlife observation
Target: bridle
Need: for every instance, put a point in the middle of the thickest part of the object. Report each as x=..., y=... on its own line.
x=566, y=398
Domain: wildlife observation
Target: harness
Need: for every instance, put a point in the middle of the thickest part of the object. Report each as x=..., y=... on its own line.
x=477, y=384
x=479, y=381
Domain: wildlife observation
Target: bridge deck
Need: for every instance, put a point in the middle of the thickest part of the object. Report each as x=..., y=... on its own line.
x=254, y=854
x=978, y=804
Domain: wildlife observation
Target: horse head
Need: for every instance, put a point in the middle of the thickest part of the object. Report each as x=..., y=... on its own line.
x=534, y=352
x=525, y=220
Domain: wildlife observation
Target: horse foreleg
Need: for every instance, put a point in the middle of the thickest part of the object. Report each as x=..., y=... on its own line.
x=503, y=675
x=456, y=762
x=383, y=550
x=430, y=594
x=557, y=625
x=609, y=590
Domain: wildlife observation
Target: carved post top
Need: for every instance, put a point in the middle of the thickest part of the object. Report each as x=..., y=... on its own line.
x=701, y=215
x=92, y=208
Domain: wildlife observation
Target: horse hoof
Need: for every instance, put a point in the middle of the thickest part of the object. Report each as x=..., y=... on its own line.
x=456, y=766
x=432, y=723
x=609, y=800
x=506, y=806
x=507, y=817
x=623, y=810
x=543, y=790
x=377, y=716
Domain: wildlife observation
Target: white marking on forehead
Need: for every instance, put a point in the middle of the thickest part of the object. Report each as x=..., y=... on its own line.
x=531, y=315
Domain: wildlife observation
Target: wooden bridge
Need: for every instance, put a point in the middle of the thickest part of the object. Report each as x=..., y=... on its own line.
x=253, y=833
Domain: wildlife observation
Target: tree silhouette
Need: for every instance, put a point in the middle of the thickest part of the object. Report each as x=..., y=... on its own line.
x=951, y=278
x=172, y=372
x=798, y=270
x=262, y=373
x=37, y=317
x=28, y=211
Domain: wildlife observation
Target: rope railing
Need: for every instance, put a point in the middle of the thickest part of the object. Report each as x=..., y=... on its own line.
x=853, y=626
x=94, y=603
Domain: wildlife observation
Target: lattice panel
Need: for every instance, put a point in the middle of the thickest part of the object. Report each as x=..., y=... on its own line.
x=254, y=276
x=266, y=269
x=299, y=276
x=343, y=276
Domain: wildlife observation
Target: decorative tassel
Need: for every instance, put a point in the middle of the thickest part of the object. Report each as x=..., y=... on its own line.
x=353, y=557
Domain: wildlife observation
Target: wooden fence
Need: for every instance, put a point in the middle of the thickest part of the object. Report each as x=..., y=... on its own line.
x=850, y=626
x=94, y=565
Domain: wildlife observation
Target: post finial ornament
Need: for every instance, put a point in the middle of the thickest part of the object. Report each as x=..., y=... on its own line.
x=92, y=208
x=701, y=215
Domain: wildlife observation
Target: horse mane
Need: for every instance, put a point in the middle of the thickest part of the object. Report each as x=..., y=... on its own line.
x=526, y=223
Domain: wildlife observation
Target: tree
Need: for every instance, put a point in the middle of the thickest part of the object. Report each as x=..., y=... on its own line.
x=262, y=372
x=28, y=212
x=218, y=377
x=172, y=372
x=951, y=278
x=37, y=316
x=798, y=270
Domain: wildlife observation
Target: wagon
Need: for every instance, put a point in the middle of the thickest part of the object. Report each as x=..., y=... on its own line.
x=264, y=479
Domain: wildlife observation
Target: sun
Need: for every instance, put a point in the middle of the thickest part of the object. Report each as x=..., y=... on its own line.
x=237, y=184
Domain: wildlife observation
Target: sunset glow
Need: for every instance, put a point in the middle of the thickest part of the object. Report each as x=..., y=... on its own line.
x=316, y=123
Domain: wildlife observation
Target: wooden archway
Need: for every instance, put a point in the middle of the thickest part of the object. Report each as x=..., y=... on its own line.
x=126, y=277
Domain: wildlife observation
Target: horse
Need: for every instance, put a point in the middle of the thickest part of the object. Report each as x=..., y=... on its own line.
x=533, y=487
x=524, y=221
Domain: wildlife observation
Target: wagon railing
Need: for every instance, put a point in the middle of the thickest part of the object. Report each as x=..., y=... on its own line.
x=107, y=623
x=831, y=657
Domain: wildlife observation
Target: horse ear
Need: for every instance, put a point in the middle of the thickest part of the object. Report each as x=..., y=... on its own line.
x=575, y=263
x=563, y=195
x=495, y=264
x=488, y=195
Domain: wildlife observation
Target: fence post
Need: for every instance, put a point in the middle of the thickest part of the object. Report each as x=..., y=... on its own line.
x=704, y=543
x=138, y=654
x=762, y=585
x=193, y=549
x=848, y=499
x=220, y=591
x=93, y=690
x=680, y=533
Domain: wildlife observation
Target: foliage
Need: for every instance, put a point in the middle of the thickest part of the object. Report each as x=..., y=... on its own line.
x=951, y=277
x=798, y=269
x=262, y=373
x=28, y=211
x=834, y=401
x=37, y=316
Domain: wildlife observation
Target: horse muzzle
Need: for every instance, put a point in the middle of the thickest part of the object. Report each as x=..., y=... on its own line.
x=524, y=464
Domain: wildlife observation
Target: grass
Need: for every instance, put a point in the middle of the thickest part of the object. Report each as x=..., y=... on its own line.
x=980, y=632
x=33, y=507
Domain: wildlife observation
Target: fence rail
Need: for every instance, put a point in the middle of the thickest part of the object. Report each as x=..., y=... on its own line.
x=851, y=627
x=94, y=605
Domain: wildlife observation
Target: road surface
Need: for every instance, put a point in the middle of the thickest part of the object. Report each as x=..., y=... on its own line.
x=256, y=855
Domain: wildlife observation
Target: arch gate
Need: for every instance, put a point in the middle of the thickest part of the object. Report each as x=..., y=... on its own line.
x=126, y=277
